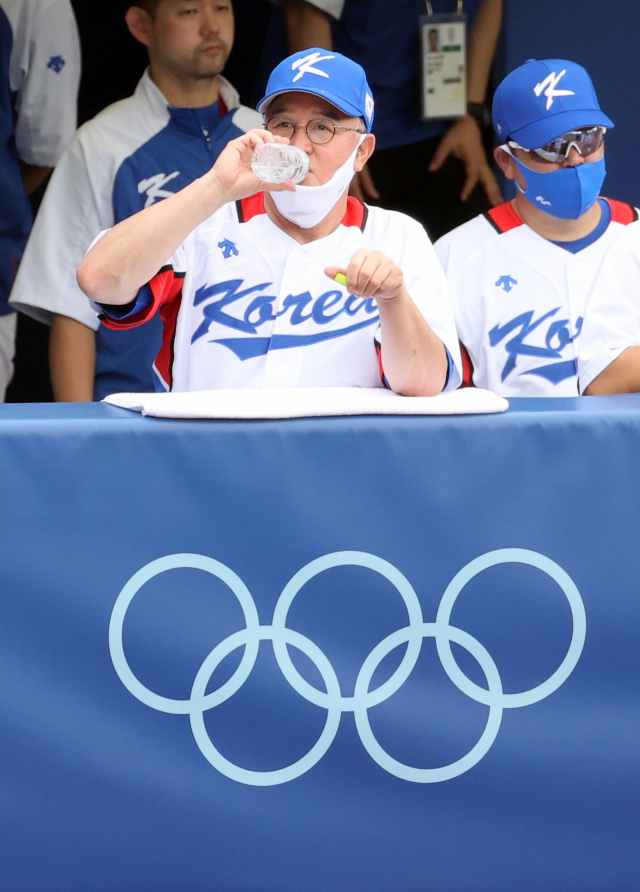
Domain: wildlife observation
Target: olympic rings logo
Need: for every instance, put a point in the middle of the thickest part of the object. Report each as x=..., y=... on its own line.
x=363, y=698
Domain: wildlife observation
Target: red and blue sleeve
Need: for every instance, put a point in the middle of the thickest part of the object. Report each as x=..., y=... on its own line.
x=163, y=289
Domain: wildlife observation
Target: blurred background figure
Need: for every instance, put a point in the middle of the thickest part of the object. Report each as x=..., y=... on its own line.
x=40, y=53
x=136, y=152
x=436, y=171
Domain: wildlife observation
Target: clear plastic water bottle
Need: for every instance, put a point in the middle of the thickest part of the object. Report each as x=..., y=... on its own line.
x=275, y=162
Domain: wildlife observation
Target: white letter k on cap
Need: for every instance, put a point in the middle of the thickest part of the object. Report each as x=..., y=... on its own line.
x=551, y=82
x=305, y=65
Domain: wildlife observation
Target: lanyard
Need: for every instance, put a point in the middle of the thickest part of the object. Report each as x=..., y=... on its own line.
x=430, y=7
x=443, y=38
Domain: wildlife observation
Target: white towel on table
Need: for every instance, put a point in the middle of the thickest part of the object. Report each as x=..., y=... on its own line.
x=306, y=402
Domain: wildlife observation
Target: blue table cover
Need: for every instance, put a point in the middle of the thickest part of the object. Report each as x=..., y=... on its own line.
x=323, y=655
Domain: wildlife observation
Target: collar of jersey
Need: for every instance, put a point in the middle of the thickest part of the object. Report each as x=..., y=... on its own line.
x=184, y=118
x=584, y=242
x=505, y=217
x=196, y=120
x=355, y=215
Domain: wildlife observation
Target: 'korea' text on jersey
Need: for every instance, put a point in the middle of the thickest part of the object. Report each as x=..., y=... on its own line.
x=519, y=299
x=245, y=305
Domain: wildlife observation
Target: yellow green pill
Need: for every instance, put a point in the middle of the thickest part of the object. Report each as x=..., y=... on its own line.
x=340, y=278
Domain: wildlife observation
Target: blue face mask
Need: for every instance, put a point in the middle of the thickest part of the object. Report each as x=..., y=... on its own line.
x=568, y=192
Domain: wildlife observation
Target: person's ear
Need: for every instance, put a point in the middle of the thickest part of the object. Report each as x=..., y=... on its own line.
x=506, y=163
x=139, y=24
x=365, y=151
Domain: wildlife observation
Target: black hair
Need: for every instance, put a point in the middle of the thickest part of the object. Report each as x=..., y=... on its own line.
x=149, y=6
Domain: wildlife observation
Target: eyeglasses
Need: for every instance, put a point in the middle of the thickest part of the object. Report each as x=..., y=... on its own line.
x=320, y=130
x=587, y=140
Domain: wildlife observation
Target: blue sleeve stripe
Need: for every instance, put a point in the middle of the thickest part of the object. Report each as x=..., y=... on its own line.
x=143, y=300
x=449, y=368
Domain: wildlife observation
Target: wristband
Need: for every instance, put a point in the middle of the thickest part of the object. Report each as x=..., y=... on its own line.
x=479, y=113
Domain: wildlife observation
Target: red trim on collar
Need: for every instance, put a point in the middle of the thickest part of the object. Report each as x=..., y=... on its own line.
x=222, y=106
x=621, y=212
x=504, y=217
x=355, y=215
x=250, y=207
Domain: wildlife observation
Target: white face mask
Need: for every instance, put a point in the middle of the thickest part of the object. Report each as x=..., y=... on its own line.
x=309, y=205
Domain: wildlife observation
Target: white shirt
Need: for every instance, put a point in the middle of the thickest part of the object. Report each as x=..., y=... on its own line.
x=612, y=320
x=519, y=300
x=257, y=310
x=44, y=72
x=40, y=55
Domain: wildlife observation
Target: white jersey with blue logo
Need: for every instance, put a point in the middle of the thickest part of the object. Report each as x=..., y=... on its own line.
x=519, y=299
x=245, y=305
x=39, y=76
x=134, y=153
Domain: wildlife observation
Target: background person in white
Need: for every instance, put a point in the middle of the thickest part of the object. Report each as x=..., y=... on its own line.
x=135, y=152
x=610, y=350
x=519, y=275
x=307, y=95
x=40, y=54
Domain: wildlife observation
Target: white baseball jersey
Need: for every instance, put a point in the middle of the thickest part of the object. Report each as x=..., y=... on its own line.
x=519, y=299
x=244, y=305
x=612, y=320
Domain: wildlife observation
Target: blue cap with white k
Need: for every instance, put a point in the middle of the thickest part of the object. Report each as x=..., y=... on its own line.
x=332, y=76
x=541, y=100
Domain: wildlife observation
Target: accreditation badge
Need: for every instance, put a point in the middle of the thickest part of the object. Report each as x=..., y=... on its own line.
x=444, y=64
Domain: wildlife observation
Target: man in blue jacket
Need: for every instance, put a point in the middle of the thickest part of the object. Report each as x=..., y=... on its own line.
x=134, y=153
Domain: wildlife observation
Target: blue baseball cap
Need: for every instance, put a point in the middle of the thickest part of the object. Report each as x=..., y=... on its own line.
x=543, y=99
x=334, y=77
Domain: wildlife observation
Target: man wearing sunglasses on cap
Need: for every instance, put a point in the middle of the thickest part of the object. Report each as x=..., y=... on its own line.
x=520, y=274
